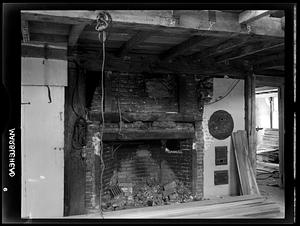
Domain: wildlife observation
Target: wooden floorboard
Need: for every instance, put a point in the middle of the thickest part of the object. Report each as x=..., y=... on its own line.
x=248, y=206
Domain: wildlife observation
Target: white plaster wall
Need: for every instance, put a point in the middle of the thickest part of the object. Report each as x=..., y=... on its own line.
x=42, y=137
x=39, y=71
x=234, y=104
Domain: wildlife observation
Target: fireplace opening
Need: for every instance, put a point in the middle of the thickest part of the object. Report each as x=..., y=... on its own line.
x=146, y=173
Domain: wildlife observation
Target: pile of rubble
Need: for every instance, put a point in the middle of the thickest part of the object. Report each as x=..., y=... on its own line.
x=146, y=193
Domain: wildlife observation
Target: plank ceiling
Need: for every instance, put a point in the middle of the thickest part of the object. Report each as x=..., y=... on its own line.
x=264, y=52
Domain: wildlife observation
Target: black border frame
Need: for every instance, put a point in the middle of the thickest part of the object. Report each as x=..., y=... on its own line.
x=11, y=64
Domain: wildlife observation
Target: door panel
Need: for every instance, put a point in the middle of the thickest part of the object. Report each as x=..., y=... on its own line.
x=42, y=151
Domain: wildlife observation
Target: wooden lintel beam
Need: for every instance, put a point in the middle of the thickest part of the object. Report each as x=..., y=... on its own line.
x=135, y=65
x=250, y=50
x=182, y=47
x=249, y=16
x=147, y=135
x=75, y=33
x=114, y=117
x=133, y=41
x=25, y=30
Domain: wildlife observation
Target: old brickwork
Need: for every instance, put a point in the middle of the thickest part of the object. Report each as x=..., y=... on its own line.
x=140, y=93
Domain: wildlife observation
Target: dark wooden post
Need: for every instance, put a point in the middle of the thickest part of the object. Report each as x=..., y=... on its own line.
x=182, y=97
x=194, y=171
x=250, y=119
x=281, y=135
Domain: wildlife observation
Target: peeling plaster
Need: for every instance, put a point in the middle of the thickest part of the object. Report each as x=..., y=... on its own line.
x=96, y=143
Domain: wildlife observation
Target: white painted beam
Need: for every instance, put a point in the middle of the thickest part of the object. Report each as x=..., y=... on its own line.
x=249, y=16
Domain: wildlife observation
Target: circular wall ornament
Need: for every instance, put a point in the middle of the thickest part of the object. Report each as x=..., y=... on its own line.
x=220, y=125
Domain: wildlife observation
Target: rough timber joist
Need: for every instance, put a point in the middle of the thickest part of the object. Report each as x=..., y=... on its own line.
x=205, y=42
x=197, y=20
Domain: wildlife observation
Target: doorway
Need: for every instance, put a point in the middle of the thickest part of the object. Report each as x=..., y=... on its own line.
x=267, y=126
x=270, y=132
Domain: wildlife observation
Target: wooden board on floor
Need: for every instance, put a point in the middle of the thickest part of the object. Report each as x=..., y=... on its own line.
x=249, y=206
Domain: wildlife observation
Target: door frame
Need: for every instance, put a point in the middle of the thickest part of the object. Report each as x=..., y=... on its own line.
x=278, y=82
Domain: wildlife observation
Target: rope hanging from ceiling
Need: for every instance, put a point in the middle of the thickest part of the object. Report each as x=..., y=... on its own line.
x=103, y=22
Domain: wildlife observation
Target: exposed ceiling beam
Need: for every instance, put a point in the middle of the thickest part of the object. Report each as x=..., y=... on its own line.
x=179, y=49
x=75, y=33
x=198, y=23
x=138, y=63
x=48, y=38
x=150, y=17
x=249, y=16
x=25, y=30
x=250, y=50
x=132, y=42
x=55, y=16
x=224, y=47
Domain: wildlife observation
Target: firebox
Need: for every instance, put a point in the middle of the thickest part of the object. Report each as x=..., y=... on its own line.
x=145, y=173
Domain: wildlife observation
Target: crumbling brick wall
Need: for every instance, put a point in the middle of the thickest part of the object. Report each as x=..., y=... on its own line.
x=140, y=93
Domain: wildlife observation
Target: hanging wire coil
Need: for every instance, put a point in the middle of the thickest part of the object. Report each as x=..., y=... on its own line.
x=103, y=21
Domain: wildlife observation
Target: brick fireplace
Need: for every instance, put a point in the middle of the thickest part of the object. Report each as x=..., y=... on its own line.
x=158, y=143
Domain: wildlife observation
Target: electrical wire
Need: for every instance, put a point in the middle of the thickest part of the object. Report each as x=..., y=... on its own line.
x=103, y=21
x=233, y=85
x=119, y=108
x=103, y=124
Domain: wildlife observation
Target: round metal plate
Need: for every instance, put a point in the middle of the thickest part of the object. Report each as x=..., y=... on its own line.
x=220, y=125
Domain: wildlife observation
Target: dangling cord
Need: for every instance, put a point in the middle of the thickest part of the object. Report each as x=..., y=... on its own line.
x=102, y=115
x=119, y=108
x=103, y=21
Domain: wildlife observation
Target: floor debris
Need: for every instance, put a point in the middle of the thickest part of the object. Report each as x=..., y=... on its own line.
x=246, y=206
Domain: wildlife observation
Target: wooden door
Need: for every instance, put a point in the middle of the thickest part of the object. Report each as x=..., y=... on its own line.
x=42, y=139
